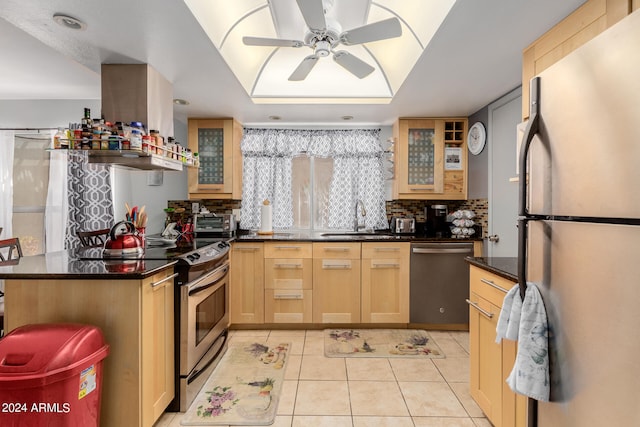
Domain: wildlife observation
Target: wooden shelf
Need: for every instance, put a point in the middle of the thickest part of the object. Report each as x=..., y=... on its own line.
x=132, y=159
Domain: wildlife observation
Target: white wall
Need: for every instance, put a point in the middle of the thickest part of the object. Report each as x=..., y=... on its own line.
x=43, y=113
x=129, y=186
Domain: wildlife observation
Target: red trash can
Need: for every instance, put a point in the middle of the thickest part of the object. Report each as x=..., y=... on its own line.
x=51, y=375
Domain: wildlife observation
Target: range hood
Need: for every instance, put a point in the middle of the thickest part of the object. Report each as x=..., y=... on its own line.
x=136, y=93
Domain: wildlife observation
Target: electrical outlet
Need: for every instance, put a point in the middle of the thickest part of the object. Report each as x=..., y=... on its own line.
x=195, y=207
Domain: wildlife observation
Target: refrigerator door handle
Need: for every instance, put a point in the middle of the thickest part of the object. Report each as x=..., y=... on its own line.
x=523, y=225
x=530, y=131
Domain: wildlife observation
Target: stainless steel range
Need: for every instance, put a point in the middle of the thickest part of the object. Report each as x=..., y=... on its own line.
x=201, y=305
x=202, y=318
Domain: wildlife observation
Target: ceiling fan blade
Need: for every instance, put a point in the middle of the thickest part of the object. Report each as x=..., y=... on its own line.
x=265, y=41
x=313, y=14
x=353, y=64
x=387, y=29
x=304, y=68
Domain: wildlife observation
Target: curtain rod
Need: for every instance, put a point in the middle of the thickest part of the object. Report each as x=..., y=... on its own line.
x=359, y=128
x=38, y=129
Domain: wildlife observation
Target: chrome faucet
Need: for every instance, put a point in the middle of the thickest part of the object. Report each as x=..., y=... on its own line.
x=356, y=223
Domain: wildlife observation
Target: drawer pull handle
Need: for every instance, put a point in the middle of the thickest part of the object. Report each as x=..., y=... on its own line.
x=385, y=266
x=336, y=249
x=485, y=313
x=328, y=264
x=289, y=266
x=295, y=248
x=247, y=249
x=492, y=284
x=386, y=249
x=287, y=296
x=161, y=281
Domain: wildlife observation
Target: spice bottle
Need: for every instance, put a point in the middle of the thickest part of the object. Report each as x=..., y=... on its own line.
x=59, y=140
x=135, y=143
x=157, y=141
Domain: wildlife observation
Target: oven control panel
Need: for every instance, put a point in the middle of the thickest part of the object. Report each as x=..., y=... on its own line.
x=212, y=252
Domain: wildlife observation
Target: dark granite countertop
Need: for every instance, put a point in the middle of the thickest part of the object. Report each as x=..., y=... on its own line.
x=506, y=267
x=384, y=236
x=59, y=265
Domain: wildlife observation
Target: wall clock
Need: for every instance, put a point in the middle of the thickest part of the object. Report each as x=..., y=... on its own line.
x=476, y=138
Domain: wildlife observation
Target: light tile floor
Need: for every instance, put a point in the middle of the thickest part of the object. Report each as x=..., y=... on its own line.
x=368, y=392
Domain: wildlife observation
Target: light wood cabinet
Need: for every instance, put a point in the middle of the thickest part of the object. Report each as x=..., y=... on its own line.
x=247, y=283
x=490, y=362
x=321, y=282
x=385, y=282
x=336, y=282
x=430, y=159
x=288, y=282
x=586, y=22
x=217, y=142
x=137, y=319
x=158, y=382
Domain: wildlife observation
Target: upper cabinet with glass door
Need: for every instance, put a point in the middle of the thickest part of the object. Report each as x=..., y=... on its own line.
x=430, y=159
x=217, y=142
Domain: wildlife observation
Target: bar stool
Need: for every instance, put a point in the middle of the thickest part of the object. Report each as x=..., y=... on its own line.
x=10, y=249
x=95, y=238
x=10, y=252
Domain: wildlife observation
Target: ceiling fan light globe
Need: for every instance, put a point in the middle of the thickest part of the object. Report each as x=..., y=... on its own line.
x=322, y=48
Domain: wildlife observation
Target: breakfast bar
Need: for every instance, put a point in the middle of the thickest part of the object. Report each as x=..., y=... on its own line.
x=131, y=301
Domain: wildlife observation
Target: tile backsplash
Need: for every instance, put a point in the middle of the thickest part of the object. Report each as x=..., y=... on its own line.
x=413, y=208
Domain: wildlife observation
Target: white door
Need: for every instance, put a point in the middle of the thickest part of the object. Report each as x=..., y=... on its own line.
x=504, y=116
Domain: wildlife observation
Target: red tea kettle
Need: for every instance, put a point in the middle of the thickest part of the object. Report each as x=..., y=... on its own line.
x=126, y=244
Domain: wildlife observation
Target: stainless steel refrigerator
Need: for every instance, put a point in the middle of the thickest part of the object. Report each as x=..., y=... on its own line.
x=579, y=228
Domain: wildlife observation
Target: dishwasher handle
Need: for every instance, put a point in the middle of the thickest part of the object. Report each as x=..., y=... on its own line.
x=442, y=250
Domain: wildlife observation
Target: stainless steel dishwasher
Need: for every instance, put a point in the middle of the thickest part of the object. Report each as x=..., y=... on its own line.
x=439, y=282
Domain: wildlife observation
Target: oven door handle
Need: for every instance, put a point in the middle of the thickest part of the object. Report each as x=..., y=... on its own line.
x=209, y=280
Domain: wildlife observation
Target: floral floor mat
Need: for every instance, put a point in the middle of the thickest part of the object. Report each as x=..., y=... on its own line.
x=243, y=389
x=380, y=343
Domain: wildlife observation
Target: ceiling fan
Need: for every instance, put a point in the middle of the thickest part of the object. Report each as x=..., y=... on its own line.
x=325, y=34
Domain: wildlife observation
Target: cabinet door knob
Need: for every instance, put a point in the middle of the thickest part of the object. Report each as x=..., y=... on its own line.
x=494, y=238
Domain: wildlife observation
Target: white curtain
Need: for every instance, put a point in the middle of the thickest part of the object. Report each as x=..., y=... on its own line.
x=6, y=182
x=57, y=208
x=266, y=175
x=358, y=173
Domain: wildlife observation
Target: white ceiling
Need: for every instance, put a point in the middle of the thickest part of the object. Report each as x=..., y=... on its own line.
x=474, y=58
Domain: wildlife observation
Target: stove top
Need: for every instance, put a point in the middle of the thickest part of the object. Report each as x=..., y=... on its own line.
x=189, y=249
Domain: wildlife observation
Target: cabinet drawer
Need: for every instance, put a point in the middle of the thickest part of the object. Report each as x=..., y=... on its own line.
x=385, y=250
x=488, y=285
x=288, y=273
x=288, y=250
x=293, y=306
x=337, y=250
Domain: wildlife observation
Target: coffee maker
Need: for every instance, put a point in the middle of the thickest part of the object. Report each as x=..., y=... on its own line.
x=436, y=221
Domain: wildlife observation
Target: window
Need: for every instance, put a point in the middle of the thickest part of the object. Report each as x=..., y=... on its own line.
x=314, y=178
x=310, y=183
x=30, y=184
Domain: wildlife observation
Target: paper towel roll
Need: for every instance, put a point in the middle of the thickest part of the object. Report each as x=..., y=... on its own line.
x=265, y=218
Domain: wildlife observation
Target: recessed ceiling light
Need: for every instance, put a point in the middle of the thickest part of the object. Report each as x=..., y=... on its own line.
x=69, y=22
x=347, y=117
x=274, y=117
x=179, y=101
